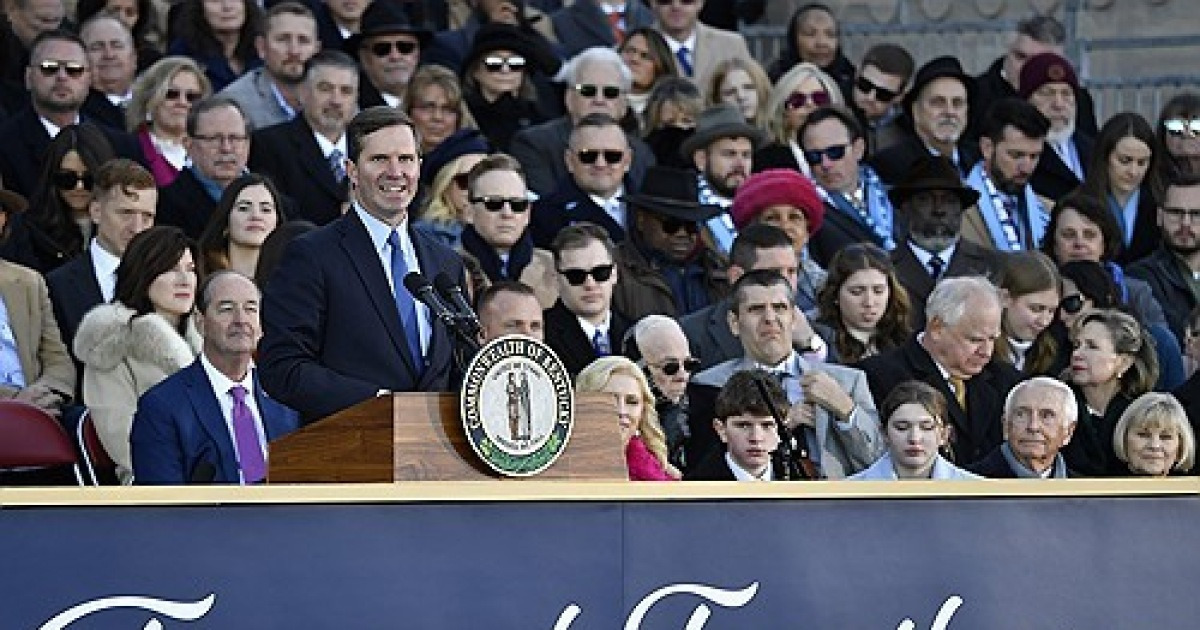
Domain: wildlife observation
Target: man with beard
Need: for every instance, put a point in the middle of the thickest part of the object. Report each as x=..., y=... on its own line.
x=1173, y=271
x=722, y=149
x=1050, y=83
x=1009, y=216
x=306, y=156
x=268, y=94
x=936, y=110
x=664, y=266
x=934, y=198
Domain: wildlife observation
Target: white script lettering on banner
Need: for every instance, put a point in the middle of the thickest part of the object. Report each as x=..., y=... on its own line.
x=178, y=611
x=721, y=597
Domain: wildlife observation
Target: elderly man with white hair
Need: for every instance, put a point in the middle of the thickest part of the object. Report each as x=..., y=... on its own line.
x=659, y=346
x=954, y=355
x=1039, y=419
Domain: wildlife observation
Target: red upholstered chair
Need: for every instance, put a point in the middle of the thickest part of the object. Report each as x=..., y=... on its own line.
x=32, y=439
x=100, y=469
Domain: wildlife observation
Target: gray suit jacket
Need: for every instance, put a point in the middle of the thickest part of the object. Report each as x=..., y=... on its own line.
x=583, y=25
x=843, y=451
x=252, y=91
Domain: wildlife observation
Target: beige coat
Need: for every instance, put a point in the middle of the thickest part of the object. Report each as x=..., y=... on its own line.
x=123, y=356
x=44, y=359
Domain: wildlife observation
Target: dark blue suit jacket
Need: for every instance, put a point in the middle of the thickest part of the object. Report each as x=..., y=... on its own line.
x=179, y=426
x=331, y=332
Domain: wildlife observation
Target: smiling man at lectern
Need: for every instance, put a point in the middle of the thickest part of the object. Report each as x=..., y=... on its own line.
x=338, y=323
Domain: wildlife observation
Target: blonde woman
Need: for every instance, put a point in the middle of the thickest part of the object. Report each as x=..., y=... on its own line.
x=645, y=443
x=796, y=95
x=444, y=172
x=1154, y=437
x=742, y=83
x=158, y=110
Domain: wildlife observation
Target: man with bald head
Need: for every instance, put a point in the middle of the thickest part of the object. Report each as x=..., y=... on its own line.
x=661, y=349
x=954, y=355
x=509, y=307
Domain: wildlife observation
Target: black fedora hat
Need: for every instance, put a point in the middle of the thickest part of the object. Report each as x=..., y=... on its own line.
x=939, y=68
x=672, y=192
x=500, y=36
x=385, y=18
x=932, y=172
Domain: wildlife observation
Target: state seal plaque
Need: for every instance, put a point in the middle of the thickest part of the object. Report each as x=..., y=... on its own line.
x=517, y=406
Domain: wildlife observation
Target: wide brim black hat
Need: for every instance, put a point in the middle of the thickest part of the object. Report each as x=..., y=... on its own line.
x=932, y=172
x=672, y=192
x=383, y=18
x=533, y=47
x=939, y=68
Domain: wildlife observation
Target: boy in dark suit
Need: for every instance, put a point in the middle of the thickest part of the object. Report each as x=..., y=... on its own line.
x=747, y=429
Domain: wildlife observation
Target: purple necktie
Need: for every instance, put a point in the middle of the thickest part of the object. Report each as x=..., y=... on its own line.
x=245, y=433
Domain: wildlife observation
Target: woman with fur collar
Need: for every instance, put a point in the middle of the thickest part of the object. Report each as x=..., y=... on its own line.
x=143, y=336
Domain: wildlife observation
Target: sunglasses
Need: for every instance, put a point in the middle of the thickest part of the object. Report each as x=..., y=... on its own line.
x=50, y=68
x=882, y=94
x=589, y=90
x=576, y=277
x=800, y=99
x=671, y=366
x=1180, y=127
x=664, y=3
x=383, y=49
x=496, y=204
x=516, y=63
x=611, y=156
x=461, y=180
x=671, y=225
x=69, y=180
x=835, y=153
x=173, y=94
x=1071, y=304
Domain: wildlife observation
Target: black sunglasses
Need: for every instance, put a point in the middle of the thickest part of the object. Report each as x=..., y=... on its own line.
x=516, y=63
x=576, y=277
x=68, y=180
x=496, y=204
x=671, y=225
x=589, y=90
x=882, y=94
x=461, y=180
x=1071, y=304
x=671, y=367
x=173, y=94
x=611, y=156
x=383, y=49
x=835, y=153
x=51, y=67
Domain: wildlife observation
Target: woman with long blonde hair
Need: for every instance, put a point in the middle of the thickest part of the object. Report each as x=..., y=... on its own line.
x=645, y=442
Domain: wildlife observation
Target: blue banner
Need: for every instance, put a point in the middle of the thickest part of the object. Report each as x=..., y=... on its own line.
x=939, y=564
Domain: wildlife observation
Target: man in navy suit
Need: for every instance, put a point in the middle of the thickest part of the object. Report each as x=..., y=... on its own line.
x=339, y=326
x=210, y=422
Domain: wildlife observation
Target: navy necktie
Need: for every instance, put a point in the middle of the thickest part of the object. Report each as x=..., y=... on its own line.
x=405, y=304
x=685, y=60
x=600, y=343
x=936, y=266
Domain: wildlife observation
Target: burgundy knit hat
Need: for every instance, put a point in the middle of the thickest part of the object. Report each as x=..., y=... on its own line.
x=1045, y=68
x=776, y=187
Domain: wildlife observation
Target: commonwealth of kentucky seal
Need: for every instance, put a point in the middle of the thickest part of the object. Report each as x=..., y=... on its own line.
x=517, y=406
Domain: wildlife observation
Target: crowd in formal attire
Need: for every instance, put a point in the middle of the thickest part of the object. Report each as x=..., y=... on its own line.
x=783, y=269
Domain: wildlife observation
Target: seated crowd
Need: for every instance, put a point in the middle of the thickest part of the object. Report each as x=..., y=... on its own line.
x=808, y=270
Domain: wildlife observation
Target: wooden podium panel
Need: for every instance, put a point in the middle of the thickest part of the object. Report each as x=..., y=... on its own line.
x=419, y=437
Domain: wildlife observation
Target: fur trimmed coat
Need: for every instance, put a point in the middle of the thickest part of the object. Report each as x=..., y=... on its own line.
x=124, y=355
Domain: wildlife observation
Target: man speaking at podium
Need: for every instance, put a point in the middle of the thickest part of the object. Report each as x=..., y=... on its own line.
x=339, y=325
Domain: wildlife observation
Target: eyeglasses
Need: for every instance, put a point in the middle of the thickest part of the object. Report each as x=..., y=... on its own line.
x=589, y=90
x=516, y=63
x=69, y=180
x=670, y=367
x=882, y=94
x=611, y=156
x=1180, y=127
x=496, y=204
x=799, y=99
x=835, y=153
x=1179, y=214
x=1071, y=304
x=219, y=139
x=671, y=225
x=460, y=180
x=50, y=67
x=576, y=277
x=663, y=3
x=173, y=94
x=383, y=49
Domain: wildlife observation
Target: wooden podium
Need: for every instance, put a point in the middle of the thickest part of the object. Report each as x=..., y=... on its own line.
x=419, y=437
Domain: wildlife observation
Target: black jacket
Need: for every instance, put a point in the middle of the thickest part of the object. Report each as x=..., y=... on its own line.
x=565, y=337
x=1170, y=287
x=289, y=154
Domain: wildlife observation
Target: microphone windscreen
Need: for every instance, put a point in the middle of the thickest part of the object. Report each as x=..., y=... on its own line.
x=415, y=282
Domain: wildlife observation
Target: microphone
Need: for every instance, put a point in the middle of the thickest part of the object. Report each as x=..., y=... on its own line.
x=421, y=289
x=452, y=293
